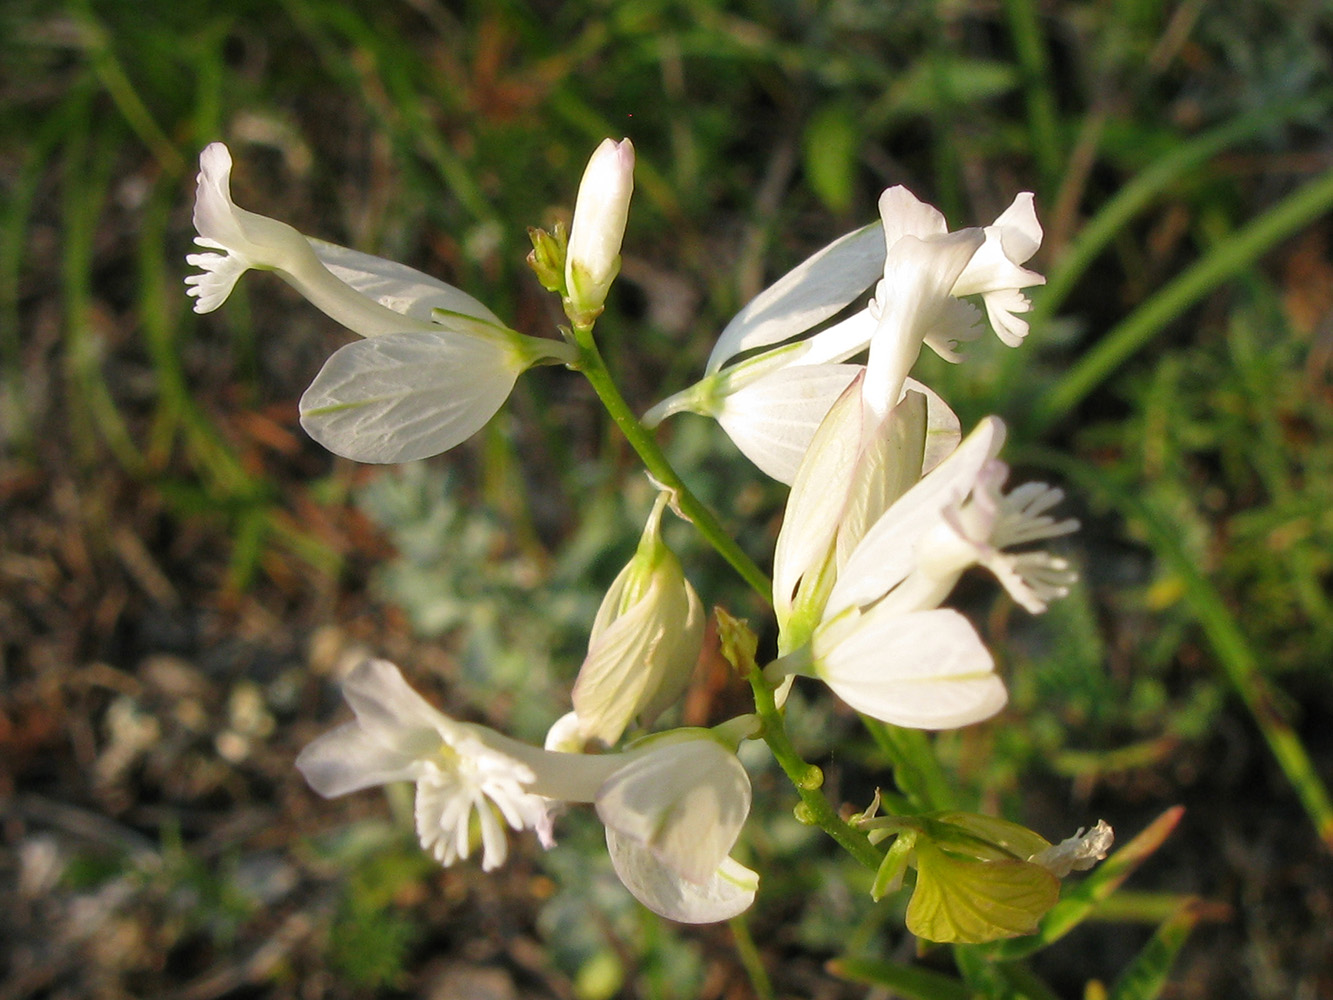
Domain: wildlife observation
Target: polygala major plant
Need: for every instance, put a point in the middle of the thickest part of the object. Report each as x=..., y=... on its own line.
x=889, y=504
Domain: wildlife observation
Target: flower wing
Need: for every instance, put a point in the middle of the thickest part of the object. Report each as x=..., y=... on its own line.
x=405, y=396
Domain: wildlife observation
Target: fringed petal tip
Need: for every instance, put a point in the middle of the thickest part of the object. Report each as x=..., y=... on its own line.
x=217, y=276
x=215, y=220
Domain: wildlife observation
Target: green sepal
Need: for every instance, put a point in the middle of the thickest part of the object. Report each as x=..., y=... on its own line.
x=962, y=900
x=547, y=259
x=889, y=877
x=738, y=641
x=985, y=838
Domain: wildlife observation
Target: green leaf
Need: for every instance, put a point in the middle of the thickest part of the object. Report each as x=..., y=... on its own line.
x=961, y=900
x=831, y=141
x=902, y=980
x=1145, y=977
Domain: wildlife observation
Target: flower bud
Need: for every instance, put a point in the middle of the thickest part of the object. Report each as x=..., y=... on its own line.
x=644, y=643
x=547, y=259
x=593, y=259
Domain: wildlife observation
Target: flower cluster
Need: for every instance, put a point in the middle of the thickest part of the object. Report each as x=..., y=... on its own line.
x=889, y=505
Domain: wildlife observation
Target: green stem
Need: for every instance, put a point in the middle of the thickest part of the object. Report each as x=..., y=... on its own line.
x=817, y=811
x=594, y=369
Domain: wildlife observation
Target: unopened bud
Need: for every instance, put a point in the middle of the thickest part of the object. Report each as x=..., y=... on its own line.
x=547, y=259
x=593, y=260
x=645, y=641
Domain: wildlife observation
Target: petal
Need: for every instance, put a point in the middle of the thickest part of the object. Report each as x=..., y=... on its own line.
x=1019, y=229
x=347, y=759
x=773, y=420
x=840, y=341
x=943, y=430
x=1010, y=241
x=923, y=669
x=392, y=713
x=404, y=396
x=617, y=678
x=886, y=554
x=808, y=294
x=680, y=649
x=818, y=497
x=912, y=299
x=398, y=287
x=904, y=214
x=685, y=801
x=730, y=890
x=889, y=465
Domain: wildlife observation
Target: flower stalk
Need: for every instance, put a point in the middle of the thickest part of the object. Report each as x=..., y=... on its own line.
x=593, y=367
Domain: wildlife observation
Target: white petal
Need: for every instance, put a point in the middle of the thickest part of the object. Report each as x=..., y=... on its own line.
x=818, y=497
x=773, y=420
x=1001, y=305
x=218, y=275
x=808, y=294
x=404, y=396
x=397, y=286
x=347, y=759
x=1019, y=229
x=730, y=890
x=889, y=465
x=943, y=430
x=840, y=341
x=904, y=214
x=685, y=801
x=912, y=300
x=391, y=712
x=620, y=675
x=885, y=555
x=1077, y=853
x=924, y=669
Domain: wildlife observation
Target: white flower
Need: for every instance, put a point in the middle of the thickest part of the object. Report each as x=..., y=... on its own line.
x=831, y=279
x=592, y=260
x=438, y=363
x=954, y=518
x=645, y=640
x=673, y=805
x=875, y=632
x=459, y=773
x=770, y=406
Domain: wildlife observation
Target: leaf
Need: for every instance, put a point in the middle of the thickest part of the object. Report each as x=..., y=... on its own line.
x=959, y=900
x=1145, y=976
x=902, y=980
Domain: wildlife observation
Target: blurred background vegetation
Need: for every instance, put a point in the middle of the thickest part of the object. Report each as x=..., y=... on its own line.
x=183, y=573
